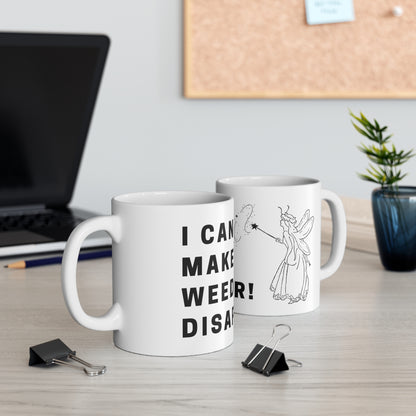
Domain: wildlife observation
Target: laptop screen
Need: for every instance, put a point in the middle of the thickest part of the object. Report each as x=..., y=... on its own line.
x=48, y=88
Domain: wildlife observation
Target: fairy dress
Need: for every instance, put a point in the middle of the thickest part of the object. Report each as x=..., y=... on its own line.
x=291, y=280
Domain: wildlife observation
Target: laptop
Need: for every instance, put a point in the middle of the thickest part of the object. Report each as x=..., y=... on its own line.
x=48, y=88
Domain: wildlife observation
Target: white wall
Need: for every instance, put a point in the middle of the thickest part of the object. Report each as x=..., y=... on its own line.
x=146, y=136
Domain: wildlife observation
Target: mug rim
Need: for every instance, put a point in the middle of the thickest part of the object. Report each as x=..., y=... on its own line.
x=267, y=181
x=171, y=198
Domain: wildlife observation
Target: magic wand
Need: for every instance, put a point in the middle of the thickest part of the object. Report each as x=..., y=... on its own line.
x=256, y=227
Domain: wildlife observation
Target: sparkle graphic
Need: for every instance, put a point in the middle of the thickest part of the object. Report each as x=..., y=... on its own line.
x=243, y=224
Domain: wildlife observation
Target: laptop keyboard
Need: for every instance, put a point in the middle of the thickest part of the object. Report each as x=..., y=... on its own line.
x=37, y=221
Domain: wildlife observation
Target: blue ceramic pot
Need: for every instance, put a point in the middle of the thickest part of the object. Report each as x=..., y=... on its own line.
x=394, y=215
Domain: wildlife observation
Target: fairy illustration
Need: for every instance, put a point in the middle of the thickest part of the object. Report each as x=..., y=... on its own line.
x=291, y=280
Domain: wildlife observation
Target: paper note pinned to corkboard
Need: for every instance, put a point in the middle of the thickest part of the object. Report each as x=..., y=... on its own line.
x=265, y=49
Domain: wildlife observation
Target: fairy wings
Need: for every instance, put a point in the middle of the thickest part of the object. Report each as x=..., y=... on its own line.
x=303, y=229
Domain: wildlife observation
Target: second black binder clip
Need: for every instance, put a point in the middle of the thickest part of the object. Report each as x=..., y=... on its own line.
x=56, y=352
x=266, y=360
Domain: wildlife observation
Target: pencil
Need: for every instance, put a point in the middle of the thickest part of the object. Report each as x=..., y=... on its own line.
x=57, y=260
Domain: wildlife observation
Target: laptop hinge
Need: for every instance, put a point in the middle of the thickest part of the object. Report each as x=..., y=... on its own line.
x=22, y=209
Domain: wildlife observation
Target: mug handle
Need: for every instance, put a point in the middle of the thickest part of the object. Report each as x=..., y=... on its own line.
x=339, y=233
x=112, y=319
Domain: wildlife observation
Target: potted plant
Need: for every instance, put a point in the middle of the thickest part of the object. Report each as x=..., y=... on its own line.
x=394, y=206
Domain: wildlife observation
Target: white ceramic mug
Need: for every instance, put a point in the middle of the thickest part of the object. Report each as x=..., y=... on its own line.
x=172, y=272
x=277, y=234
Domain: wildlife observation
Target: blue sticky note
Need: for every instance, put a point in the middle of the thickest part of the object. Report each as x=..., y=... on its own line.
x=329, y=11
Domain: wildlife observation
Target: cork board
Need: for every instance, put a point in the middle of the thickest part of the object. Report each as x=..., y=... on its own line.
x=265, y=49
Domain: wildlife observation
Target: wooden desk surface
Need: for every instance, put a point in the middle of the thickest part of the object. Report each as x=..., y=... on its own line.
x=358, y=352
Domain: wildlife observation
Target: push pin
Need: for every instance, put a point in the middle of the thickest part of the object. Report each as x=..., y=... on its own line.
x=56, y=352
x=266, y=360
x=397, y=11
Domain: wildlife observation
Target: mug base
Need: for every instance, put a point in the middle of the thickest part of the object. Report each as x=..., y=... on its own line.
x=178, y=355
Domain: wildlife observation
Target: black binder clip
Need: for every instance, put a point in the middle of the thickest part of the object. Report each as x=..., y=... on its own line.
x=56, y=352
x=266, y=360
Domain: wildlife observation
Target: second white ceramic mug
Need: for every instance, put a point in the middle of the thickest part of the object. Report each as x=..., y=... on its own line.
x=277, y=230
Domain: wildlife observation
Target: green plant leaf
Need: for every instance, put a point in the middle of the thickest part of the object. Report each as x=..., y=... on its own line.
x=364, y=119
x=361, y=131
x=367, y=178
